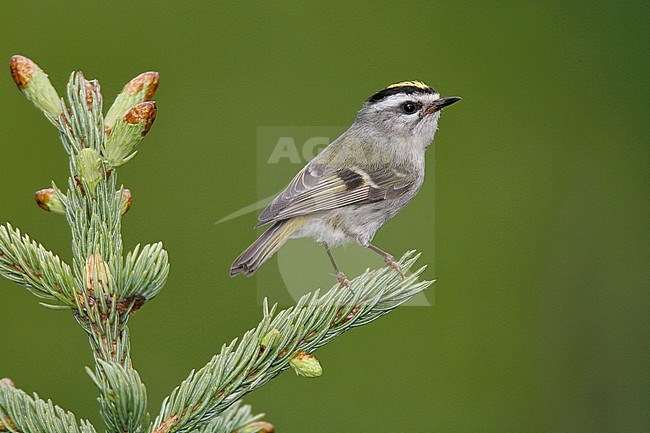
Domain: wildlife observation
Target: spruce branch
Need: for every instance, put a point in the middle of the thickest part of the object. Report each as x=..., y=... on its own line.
x=102, y=288
x=43, y=273
x=246, y=364
x=123, y=397
x=24, y=414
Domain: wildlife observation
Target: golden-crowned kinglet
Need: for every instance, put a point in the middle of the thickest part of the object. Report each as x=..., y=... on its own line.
x=358, y=182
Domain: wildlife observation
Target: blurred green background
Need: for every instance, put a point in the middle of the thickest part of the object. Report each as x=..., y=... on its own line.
x=540, y=238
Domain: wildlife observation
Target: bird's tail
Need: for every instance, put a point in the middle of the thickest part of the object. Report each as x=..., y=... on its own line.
x=265, y=246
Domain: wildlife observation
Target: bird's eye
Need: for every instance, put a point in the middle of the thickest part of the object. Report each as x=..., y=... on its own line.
x=409, y=107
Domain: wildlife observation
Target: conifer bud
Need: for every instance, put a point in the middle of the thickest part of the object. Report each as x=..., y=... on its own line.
x=139, y=89
x=125, y=203
x=33, y=82
x=89, y=167
x=97, y=275
x=126, y=134
x=306, y=365
x=49, y=200
x=272, y=334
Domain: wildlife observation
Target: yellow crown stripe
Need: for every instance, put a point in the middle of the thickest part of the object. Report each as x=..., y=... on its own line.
x=418, y=84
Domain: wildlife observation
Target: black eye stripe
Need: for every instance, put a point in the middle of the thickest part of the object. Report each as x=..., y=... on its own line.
x=407, y=90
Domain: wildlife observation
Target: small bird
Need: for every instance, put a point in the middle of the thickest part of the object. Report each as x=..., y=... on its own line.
x=358, y=182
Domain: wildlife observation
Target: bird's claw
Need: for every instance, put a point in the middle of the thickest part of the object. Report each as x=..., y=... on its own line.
x=391, y=263
x=342, y=279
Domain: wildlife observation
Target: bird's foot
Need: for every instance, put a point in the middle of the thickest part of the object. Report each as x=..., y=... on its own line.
x=391, y=263
x=342, y=279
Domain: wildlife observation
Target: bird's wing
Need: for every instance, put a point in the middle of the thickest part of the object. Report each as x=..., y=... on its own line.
x=317, y=189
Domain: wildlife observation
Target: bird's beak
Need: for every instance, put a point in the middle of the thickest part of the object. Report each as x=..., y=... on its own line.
x=439, y=104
